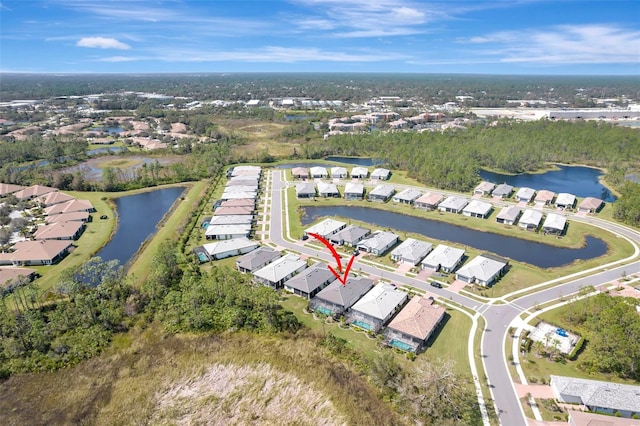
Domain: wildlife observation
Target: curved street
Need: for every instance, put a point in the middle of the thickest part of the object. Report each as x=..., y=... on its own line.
x=498, y=317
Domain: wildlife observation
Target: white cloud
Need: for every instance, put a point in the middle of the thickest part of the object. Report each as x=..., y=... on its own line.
x=102, y=43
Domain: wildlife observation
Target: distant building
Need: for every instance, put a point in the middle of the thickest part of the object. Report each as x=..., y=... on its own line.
x=359, y=173
x=338, y=172
x=257, y=259
x=228, y=248
x=350, y=236
x=305, y=190
x=276, y=273
x=428, y=201
x=544, y=197
x=300, y=173
x=380, y=174
x=327, y=190
x=318, y=172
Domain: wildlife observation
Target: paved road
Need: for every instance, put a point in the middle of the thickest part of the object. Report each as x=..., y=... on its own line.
x=497, y=317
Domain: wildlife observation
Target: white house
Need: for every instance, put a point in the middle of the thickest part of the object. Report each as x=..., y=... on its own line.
x=378, y=243
x=411, y=251
x=482, y=270
x=276, y=273
x=228, y=248
x=443, y=258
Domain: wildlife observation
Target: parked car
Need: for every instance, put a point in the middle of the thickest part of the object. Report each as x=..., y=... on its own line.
x=435, y=284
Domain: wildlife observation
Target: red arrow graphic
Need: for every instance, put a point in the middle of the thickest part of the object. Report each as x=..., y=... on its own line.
x=336, y=256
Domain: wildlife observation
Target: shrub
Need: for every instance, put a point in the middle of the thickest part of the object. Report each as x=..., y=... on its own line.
x=576, y=349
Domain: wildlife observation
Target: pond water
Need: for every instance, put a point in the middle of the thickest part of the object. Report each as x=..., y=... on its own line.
x=533, y=253
x=356, y=161
x=106, y=150
x=298, y=117
x=576, y=180
x=138, y=216
x=107, y=129
x=305, y=165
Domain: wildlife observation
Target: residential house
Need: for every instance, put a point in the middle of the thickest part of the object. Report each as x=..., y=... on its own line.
x=509, y=215
x=484, y=188
x=414, y=325
x=408, y=196
x=305, y=190
x=477, y=208
x=525, y=195
x=583, y=418
x=246, y=170
x=326, y=228
x=350, y=236
x=544, y=197
x=227, y=232
x=10, y=277
x=411, y=251
x=483, y=270
x=554, y=224
x=353, y=191
x=257, y=259
x=33, y=191
x=428, y=201
x=300, y=173
x=276, y=273
x=60, y=231
x=69, y=217
x=69, y=207
x=453, y=204
x=54, y=197
x=230, y=247
x=238, y=202
x=381, y=193
x=240, y=188
x=318, y=172
x=443, y=258
x=40, y=252
x=7, y=189
x=378, y=243
x=310, y=281
x=377, y=307
x=244, y=181
x=338, y=172
x=530, y=220
x=590, y=205
x=598, y=396
x=380, y=174
x=232, y=219
x=565, y=201
x=502, y=191
x=359, y=172
x=327, y=190
x=337, y=298
x=226, y=195
x=233, y=211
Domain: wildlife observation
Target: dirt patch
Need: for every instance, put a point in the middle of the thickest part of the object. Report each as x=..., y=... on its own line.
x=93, y=167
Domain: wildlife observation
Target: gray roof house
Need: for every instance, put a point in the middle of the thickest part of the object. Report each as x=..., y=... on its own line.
x=238, y=195
x=414, y=324
x=453, y=204
x=443, y=258
x=241, y=188
x=411, y=251
x=305, y=190
x=477, y=208
x=327, y=190
x=554, y=224
x=408, y=196
x=502, y=191
x=380, y=174
x=227, y=232
x=257, y=259
x=565, y=201
x=318, y=172
x=377, y=307
x=276, y=273
x=232, y=219
x=326, y=227
x=530, y=220
x=482, y=270
x=525, y=194
x=381, y=193
x=310, y=281
x=428, y=201
x=353, y=191
x=338, y=172
x=484, y=188
x=228, y=248
x=359, y=172
x=350, y=236
x=509, y=215
x=378, y=243
x=597, y=396
x=336, y=298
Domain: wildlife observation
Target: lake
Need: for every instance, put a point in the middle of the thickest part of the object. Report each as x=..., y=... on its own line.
x=138, y=216
x=356, y=161
x=533, y=253
x=107, y=129
x=576, y=180
x=304, y=165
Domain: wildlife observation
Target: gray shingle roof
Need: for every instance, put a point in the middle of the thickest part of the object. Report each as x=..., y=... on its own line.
x=311, y=278
x=594, y=393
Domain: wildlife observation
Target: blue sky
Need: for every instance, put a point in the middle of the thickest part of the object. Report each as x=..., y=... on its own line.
x=492, y=37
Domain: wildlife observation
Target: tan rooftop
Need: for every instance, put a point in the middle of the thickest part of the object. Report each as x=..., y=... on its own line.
x=68, y=217
x=68, y=207
x=10, y=273
x=59, y=231
x=431, y=198
x=418, y=318
x=544, y=196
x=7, y=188
x=34, y=191
x=55, y=198
x=41, y=250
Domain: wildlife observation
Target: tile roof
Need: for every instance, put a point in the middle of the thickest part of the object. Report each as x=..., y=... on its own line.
x=7, y=188
x=36, y=250
x=55, y=197
x=531, y=217
x=58, y=230
x=33, y=191
x=68, y=207
x=595, y=393
x=257, y=257
x=354, y=188
x=311, y=278
x=345, y=295
x=418, y=318
x=555, y=221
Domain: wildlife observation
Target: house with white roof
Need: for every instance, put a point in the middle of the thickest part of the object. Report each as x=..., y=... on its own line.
x=238, y=195
x=232, y=219
x=40, y=252
x=443, y=258
x=350, y=236
x=597, y=396
x=411, y=251
x=338, y=172
x=525, y=194
x=407, y=196
x=415, y=323
x=378, y=243
x=325, y=228
x=509, y=215
x=310, y=281
x=482, y=270
x=327, y=190
x=257, y=259
x=227, y=232
x=380, y=174
x=359, y=172
x=381, y=193
x=337, y=298
x=453, y=204
x=554, y=224
x=565, y=200
x=318, y=172
x=276, y=273
x=228, y=248
x=377, y=307
x=530, y=220
x=353, y=191
x=477, y=208
x=305, y=190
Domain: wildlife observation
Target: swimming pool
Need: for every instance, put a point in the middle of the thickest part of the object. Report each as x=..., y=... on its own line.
x=324, y=311
x=362, y=325
x=203, y=257
x=401, y=345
